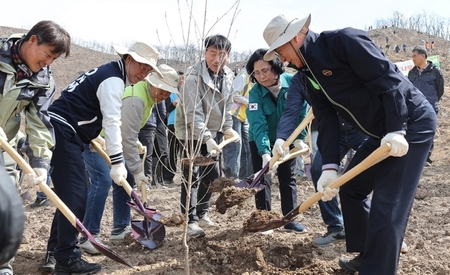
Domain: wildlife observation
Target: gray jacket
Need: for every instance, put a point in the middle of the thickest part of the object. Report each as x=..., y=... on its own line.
x=203, y=109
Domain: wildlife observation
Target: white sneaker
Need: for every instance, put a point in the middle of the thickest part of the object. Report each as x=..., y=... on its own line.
x=119, y=234
x=207, y=223
x=87, y=246
x=404, y=248
x=195, y=231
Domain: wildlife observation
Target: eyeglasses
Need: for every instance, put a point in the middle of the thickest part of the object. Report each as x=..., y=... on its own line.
x=145, y=69
x=262, y=72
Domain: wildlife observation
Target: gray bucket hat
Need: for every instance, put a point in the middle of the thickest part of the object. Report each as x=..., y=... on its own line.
x=281, y=30
x=142, y=53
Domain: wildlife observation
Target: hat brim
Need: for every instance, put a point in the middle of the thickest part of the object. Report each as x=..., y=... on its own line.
x=290, y=33
x=153, y=79
x=121, y=51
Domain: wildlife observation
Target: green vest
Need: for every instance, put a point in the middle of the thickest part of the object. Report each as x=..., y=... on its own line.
x=141, y=90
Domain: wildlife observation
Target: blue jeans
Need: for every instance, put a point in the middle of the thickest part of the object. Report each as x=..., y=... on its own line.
x=100, y=183
x=331, y=213
x=236, y=155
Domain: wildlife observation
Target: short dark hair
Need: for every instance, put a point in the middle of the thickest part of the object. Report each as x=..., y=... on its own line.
x=219, y=41
x=52, y=34
x=277, y=65
x=420, y=50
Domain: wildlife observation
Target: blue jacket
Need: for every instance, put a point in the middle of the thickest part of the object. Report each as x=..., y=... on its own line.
x=264, y=115
x=430, y=82
x=357, y=81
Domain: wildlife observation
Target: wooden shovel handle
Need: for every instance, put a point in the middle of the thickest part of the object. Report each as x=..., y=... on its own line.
x=227, y=141
x=103, y=154
x=376, y=156
x=309, y=117
x=43, y=185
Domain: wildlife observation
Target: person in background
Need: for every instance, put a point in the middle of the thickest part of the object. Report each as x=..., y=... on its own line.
x=267, y=103
x=89, y=104
x=237, y=157
x=429, y=80
x=174, y=143
x=371, y=94
x=203, y=112
x=28, y=88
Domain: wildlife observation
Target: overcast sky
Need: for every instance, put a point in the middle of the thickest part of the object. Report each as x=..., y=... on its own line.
x=165, y=22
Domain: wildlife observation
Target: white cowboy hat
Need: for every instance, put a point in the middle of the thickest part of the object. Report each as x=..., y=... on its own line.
x=281, y=30
x=168, y=81
x=141, y=53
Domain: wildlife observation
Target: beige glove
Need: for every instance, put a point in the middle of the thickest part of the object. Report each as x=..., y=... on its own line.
x=298, y=143
x=118, y=172
x=36, y=178
x=3, y=134
x=230, y=133
x=140, y=179
x=101, y=141
x=212, y=147
x=141, y=148
x=327, y=177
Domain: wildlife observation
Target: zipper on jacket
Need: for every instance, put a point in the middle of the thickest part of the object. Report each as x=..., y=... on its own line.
x=334, y=102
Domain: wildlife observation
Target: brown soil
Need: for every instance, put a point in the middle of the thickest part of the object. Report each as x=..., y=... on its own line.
x=232, y=196
x=260, y=217
x=219, y=184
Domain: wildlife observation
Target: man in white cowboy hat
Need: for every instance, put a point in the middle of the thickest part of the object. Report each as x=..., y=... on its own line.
x=87, y=105
x=137, y=104
x=351, y=76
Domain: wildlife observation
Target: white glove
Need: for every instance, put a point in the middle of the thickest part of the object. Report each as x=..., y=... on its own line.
x=212, y=147
x=298, y=143
x=399, y=145
x=39, y=176
x=3, y=134
x=278, y=148
x=327, y=177
x=141, y=148
x=140, y=179
x=265, y=159
x=118, y=171
x=230, y=133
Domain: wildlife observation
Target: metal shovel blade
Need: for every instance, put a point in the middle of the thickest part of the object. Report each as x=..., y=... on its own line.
x=149, y=233
x=149, y=224
x=376, y=156
x=99, y=246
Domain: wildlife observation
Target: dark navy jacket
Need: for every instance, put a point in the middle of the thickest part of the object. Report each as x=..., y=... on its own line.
x=430, y=82
x=358, y=82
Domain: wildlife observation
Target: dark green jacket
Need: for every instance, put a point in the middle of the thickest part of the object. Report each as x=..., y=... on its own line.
x=263, y=114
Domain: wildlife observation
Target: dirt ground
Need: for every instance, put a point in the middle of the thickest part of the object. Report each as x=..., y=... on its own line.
x=229, y=251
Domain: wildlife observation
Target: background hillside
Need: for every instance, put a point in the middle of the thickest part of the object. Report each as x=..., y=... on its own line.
x=229, y=251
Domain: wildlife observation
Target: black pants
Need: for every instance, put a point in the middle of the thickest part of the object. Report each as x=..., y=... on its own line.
x=174, y=149
x=71, y=186
x=286, y=178
x=202, y=176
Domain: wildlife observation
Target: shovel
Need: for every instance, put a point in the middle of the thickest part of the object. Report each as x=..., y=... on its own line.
x=207, y=160
x=62, y=206
x=254, y=181
x=150, y=233
x=376, y=156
